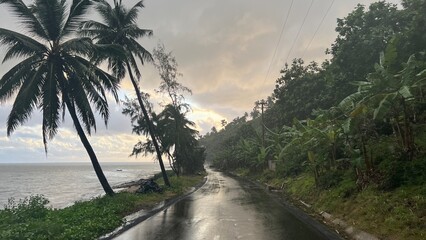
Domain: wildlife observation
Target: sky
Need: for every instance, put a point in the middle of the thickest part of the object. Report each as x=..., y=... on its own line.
x=228, y=51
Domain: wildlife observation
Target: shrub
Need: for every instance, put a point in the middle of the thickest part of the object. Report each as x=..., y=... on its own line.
x=329, y=179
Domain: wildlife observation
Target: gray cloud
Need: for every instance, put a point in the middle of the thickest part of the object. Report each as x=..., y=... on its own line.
x=223, y=49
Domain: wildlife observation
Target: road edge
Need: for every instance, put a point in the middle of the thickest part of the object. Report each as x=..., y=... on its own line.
x=142, y=215
x=299, y=213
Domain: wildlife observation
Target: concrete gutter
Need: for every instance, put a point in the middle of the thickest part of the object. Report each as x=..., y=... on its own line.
x=140, y=216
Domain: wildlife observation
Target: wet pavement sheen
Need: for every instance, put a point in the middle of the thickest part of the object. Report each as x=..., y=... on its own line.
x=227, y=208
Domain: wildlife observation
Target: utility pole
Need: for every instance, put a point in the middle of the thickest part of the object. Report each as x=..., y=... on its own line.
x=262, y=103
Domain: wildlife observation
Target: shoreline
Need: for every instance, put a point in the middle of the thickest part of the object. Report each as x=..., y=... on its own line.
x=92, y=218
x=63, y=184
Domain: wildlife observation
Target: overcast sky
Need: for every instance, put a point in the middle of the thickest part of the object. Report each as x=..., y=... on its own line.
x=224, y=49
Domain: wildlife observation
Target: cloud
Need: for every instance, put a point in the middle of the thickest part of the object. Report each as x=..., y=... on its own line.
x=223, y=49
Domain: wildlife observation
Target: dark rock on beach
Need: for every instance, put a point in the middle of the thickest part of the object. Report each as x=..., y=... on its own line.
x=148, y=186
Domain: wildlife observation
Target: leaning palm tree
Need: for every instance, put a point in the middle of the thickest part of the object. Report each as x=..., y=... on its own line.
x=179, y=136
x=119, y=27
x=54, y=75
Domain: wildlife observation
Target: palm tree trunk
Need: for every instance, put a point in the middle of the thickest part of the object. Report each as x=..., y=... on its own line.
x=95, y=163
x=150, y=125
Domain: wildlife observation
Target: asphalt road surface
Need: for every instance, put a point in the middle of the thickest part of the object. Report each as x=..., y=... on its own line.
x=228, y=208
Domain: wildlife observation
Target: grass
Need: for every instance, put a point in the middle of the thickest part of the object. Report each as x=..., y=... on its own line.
x=396, y=214
x=30, y=219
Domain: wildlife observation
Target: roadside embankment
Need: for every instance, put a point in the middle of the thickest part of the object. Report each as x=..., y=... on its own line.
x=366, y=214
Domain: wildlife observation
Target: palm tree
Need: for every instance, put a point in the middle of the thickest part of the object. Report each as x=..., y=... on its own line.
x=119, y=27
x=176, y=135
x=54, y=74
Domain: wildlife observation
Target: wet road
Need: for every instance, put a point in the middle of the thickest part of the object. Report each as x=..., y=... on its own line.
x=227, y=208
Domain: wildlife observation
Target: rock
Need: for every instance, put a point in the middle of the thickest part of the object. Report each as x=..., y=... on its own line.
x=148, y=186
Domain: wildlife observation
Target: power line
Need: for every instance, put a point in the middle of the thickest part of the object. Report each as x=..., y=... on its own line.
x=278, y=43
x=319, y=26
x=300, y=29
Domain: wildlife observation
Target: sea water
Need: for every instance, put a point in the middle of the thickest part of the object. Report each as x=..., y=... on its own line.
x=64, y=183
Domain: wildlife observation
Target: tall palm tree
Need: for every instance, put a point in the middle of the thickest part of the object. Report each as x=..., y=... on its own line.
x=119, y=27
x=54, y=74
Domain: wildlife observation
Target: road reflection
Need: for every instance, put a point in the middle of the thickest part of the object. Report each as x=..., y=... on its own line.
x=226, y=208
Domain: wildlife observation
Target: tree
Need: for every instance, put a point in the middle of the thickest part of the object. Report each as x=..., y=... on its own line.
x=119, y=27
x=214, y=130
x=362, y=35
x=179, y=133
x=55, y=74
x=390, y=95
x=176, y=134
x=301, y=89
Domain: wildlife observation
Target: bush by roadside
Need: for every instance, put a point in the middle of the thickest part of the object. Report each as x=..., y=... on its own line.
x=396, y=214
x=31, y=219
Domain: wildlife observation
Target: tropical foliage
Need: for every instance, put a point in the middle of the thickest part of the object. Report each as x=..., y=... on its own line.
x=119, y=27
x=358, y=116
x=55, y=73
x=348, y=136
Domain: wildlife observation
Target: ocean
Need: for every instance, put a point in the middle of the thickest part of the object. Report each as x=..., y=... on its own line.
x=65, y=183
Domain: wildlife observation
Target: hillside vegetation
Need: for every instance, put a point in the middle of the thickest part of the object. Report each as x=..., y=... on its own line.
x=347, y=135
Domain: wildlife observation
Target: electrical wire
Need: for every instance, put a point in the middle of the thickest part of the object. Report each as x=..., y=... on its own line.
x=318, y=27
x=278, y=42
x=298, y=32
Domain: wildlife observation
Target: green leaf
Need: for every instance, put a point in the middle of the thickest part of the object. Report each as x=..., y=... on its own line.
x=358, y=110
x=390, y=54
x=422, y=74
x=347, y=125
x=405, y=92
x=384, y=107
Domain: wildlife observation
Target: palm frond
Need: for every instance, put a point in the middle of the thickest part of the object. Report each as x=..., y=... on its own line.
x=95, y=30
x=26, y=100
x=12, y=80
x=77, y=10
x=133, y=31
x=25, y=15
x=20, y=44
x=100, y=78
x=78, y=46
x=141, y=52
x=118, y=67
x=132, y=14
x=131, y=60
x=50, y=105
x=106, y=12
x=81, y=103
x=93, y=82
x=51, y=15
x=108, y=51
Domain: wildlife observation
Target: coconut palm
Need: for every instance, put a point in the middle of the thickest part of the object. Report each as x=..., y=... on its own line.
x=54, y=75
x=176, y=135
x=119, y=27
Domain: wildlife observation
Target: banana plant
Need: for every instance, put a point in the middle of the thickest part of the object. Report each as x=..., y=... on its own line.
x=389, y=95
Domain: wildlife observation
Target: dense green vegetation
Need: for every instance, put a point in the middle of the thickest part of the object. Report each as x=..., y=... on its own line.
x=347, y=135
x=31, y=219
